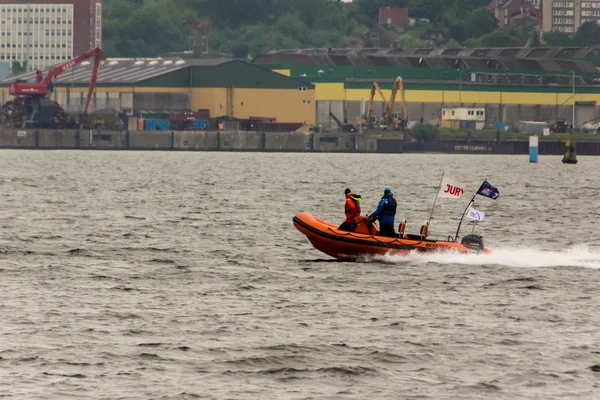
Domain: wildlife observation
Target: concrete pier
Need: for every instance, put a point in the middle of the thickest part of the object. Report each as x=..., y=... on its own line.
x=269, y=142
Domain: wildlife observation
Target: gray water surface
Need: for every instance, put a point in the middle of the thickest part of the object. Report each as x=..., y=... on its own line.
x=163, y=275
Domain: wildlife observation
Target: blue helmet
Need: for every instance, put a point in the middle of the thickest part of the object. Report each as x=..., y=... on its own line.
x=386, y=191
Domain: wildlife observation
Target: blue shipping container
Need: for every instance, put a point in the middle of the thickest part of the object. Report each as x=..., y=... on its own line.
x=163, y=125
x=501, y=126
x=199, y=124
x=149, y=124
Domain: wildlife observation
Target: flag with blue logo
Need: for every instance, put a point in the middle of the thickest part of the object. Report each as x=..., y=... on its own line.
x=474, y=215
x=488, y=190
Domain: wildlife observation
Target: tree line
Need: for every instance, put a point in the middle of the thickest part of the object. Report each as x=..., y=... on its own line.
x=148, y=28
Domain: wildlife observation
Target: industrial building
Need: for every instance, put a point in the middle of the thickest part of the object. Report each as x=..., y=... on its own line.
x=46, y=32
x=309, y=86
x=511, y=84
x=225, y=87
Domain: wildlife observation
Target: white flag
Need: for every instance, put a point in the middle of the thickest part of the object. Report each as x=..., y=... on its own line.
x=451, y=189
x=474, y=215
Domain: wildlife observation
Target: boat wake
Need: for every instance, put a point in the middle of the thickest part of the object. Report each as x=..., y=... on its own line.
x=577, y=256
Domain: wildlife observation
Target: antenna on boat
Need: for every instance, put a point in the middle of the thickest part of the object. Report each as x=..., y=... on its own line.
x=437, y=191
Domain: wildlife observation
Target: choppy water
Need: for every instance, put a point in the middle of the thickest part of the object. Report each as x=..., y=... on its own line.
x=138, y=275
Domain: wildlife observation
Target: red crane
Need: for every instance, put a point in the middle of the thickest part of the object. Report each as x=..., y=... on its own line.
x=40, y=88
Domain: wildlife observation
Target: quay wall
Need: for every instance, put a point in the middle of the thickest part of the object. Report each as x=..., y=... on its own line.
x=268, y=142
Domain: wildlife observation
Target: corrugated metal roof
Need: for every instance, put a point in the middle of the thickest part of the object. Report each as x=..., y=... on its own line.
x=126, y=72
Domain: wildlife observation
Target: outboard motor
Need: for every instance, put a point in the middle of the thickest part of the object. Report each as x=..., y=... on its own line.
x=473, y=242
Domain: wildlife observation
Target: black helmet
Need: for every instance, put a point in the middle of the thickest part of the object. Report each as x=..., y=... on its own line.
x=347, y=191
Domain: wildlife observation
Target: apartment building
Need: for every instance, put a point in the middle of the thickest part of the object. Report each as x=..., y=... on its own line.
x=567, y=16
x=48, y=32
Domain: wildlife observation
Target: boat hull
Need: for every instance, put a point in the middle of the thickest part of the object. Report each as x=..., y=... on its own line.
x=342, y=245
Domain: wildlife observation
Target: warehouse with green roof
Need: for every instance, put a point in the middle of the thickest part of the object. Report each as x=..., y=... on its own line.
x=226, y=87
x=511, y=84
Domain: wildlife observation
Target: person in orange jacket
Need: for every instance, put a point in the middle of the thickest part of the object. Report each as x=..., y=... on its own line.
x=352, y=209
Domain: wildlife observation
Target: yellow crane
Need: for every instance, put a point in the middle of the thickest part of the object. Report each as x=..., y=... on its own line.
x=390, y=118
x=370, y=120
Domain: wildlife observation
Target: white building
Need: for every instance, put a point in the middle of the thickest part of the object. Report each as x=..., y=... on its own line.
x=463, y=117
x=48, y=32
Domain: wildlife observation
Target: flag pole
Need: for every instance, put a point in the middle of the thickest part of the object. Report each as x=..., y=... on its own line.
x=463, y=216
x=436, y=196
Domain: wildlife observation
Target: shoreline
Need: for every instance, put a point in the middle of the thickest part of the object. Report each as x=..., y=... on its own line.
x=41, y=139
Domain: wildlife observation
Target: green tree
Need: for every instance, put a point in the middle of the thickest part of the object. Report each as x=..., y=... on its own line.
x=534, y=41
x=429, y=9
x=558, y=39
x=153, y=27
x=291, y=26
x=479, y=22
x=423, y=132
x=524, y=27
x=588, y=34
x=18, y=68
x=457, y=32
x=452, y=44
x=240, y=50
x=507, y=37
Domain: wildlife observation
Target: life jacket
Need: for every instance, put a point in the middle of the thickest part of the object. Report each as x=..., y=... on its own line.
x=356, y=198
x=390, y=208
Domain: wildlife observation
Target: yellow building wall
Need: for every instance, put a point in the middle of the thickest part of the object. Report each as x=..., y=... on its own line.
x=287, y=105
x=330, y=91
x=447, y=96
x=285, y=72
x=213, y=99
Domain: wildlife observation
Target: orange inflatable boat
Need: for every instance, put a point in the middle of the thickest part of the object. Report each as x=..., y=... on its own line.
x=365, y=240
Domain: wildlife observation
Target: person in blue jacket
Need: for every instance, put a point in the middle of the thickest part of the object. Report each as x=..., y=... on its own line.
x=385, y=212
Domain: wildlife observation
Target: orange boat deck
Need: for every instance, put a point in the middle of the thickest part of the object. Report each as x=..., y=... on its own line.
x=326, y=238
